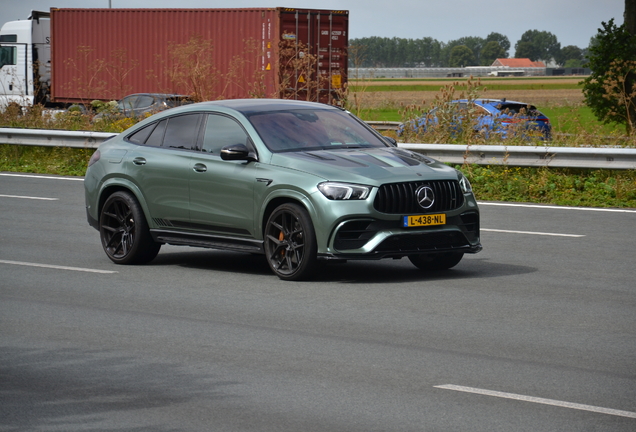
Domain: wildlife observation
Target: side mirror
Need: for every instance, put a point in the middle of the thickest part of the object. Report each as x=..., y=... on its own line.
x=238, y=152
x=391, y=141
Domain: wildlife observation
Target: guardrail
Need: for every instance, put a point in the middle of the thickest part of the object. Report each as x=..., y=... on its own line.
x=531, y=156
x=53, y=138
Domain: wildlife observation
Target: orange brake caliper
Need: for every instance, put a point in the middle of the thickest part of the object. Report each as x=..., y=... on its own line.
x=281, y=237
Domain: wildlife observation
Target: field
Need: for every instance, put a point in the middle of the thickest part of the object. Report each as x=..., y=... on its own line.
x=540, y=91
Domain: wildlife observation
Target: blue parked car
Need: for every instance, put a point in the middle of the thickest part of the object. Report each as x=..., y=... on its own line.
x=499, y=116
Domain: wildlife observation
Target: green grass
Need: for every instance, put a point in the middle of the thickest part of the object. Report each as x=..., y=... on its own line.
x=44, y=160
x=560, y=186
x=573, y=120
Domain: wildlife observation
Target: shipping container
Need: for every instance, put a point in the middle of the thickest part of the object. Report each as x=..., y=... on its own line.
x=207, y=53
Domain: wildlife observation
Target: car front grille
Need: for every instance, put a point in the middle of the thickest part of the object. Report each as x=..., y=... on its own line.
x=399, y=198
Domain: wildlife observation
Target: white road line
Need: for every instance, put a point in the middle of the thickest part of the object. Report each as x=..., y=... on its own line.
x=28, y=197
x=543, y=401
x=79, y=269
x=532, y=232
x=42, y=177
x=539, y=206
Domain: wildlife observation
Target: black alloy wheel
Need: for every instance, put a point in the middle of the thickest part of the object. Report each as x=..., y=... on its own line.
x=124, y=231
x=290, y=243
x=442, y=261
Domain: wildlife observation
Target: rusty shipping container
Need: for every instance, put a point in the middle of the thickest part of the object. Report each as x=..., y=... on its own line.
x=209, y=53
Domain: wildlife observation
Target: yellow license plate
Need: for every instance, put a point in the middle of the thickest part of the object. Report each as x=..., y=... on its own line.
x=424, y=220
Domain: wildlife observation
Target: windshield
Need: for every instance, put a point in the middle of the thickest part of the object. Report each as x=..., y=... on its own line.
x=308, y=129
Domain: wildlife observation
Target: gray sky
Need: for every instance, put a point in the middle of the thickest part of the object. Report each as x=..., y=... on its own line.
x=573, y=22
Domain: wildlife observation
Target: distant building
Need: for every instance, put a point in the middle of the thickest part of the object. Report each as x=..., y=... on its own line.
x=518, y=63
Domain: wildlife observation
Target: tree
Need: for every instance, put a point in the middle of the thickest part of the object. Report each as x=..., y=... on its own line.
x=462, y=56
x=630, y=16
x=569, y=53
x=526, y=50
x=473, y=43
x=538, y=45
x=502, y=40
x=610, y=91
x=491, y=52
x=573, y=63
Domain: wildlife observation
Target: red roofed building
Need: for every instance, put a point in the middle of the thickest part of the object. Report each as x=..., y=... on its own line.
x=518, y=63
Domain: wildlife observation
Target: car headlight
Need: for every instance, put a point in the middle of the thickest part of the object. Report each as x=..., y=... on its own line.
x=344, y=191
x=464, y=184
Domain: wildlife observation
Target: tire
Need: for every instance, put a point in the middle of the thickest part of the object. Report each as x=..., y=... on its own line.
x=290, y=243
x=436, y=262
x=124, y=231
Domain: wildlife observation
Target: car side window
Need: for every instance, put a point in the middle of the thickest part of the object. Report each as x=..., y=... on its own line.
x=221, y=131
x=144, y=102
x=142, y=134
x=127, y=103
x=156, y=137
x=182, y=131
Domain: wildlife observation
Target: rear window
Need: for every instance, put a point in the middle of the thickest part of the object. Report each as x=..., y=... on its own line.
x=525, y=109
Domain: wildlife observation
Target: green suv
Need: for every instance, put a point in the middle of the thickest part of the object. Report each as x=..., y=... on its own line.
x=299, y=182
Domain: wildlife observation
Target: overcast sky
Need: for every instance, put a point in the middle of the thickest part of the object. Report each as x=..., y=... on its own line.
x=573, y=22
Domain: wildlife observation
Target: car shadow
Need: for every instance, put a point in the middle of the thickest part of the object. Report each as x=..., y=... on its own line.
x=353, y=272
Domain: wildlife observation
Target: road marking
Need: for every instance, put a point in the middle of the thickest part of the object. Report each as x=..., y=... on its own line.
x=539, y=206
x=543, y=401
x=532, y=232
x=28, y=197
x=42, y=177
x=79, y=269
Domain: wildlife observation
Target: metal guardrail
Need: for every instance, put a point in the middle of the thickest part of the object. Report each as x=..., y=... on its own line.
x=53, y=138
x=531, y=156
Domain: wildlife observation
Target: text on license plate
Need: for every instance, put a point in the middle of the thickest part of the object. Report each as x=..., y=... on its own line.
x=424, y=220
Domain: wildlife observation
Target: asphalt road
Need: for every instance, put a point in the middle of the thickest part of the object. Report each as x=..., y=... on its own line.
x=536, y=333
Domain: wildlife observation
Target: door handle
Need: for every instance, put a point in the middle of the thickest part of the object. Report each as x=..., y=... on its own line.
x=139, y=161
x=199, y=167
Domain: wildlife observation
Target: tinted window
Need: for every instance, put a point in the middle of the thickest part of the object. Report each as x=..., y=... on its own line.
x=127, y=103
x=221, y=131
x=144, y=101
x=182, y=132
x=156, y=137
x=9, y=38
x=141, y=135
x=8, y=55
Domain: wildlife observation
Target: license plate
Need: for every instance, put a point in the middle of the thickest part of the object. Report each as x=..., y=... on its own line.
x=424, y=220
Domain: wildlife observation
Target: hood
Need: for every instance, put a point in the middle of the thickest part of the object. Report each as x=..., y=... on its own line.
x=372, y=166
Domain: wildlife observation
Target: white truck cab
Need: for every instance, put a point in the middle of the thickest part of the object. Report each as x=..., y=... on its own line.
x=25, y=60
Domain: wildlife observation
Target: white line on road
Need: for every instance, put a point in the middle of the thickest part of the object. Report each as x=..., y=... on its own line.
x=543, y=401
x=28, y=197
x=532, y=232
x=79, y=269
x=42, y=177
x=539, y=206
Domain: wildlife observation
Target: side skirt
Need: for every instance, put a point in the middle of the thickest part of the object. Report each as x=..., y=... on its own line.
x=207, y=241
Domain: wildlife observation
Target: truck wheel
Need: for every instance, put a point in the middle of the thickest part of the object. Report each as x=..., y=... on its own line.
x=124, y=231
x=290, y=243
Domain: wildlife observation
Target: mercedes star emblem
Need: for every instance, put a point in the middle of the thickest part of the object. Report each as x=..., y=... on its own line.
x=425, y=197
